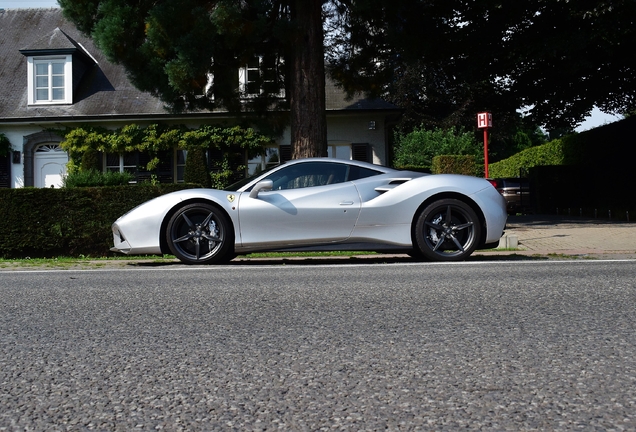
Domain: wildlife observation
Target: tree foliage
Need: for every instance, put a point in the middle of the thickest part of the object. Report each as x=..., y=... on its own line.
x=455, y=164
x=419, y=147
x=441, y=61
x=82, y=142
x=444, y=61
x=188, y=53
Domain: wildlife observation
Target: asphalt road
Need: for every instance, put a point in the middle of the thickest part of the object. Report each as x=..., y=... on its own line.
x=491, y=345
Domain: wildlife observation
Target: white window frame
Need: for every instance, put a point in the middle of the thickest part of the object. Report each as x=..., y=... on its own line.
x=32, y=63
x=121, y=165
x=178, y=168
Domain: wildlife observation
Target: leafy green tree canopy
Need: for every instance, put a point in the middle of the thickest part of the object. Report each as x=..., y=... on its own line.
x=441, y=60
x=188, y=53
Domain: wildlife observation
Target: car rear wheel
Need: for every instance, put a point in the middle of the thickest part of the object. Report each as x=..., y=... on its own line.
x=200, y=234
x=447, y=230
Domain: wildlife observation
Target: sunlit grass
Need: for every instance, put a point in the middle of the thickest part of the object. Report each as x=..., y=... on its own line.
x=68, y=262
x=62, y=262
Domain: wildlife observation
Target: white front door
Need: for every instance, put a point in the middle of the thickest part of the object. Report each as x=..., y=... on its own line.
x=49, y=166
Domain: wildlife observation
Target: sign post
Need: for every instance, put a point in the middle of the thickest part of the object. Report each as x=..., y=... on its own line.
x=484, y=121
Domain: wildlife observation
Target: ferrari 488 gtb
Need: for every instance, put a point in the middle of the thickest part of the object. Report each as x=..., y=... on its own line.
x=320, y=204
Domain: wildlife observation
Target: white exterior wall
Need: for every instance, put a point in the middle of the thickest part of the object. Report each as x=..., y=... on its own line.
x=16, y=135
x=342, y=128
x=354, y=128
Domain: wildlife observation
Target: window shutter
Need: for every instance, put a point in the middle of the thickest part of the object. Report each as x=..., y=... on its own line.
x=360, y=152
x=5, y=172
x=285, y=153
x=165, y=171
x=142, y=161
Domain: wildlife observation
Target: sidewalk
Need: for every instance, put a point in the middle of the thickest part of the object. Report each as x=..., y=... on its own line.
x=557, y=235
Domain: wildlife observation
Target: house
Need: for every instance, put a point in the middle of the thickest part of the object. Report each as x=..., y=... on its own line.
x=52, y=76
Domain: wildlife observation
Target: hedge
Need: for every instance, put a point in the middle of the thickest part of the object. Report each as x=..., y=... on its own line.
x=605, y=148
x=552, y=153
x=454, y=164
x=590, y=173
x=45, y=222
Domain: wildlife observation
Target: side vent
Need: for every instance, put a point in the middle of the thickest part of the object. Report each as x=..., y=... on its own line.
x=392, y=184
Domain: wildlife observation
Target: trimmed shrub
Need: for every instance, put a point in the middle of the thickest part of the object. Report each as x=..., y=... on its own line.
x=68, y=221
x=94, y=178
x=91, y=161
x=418, y=148
x=196, y=167
x=552, y=153
x=454, y=164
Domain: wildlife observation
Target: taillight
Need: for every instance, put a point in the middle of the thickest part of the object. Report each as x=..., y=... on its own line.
x=493, y=182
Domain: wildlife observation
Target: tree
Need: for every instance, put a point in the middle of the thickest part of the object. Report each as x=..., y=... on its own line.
x=444, y=60
x=188, y=52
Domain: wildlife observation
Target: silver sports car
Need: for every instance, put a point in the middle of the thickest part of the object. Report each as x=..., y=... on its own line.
x=320, y=204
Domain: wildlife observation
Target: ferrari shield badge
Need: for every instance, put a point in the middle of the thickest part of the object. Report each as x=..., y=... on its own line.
x=231, y=197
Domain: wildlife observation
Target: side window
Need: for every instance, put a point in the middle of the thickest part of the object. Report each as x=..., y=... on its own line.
x=308, y=175
x=356, y=172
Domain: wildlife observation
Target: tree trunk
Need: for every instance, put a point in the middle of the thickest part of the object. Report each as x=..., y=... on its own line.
x=307, y=86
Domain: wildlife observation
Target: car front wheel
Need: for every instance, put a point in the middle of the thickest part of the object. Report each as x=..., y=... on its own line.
x=447, y=230
x=199, y=234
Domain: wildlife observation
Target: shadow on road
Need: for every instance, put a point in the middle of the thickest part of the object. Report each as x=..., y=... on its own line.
x=366, y=259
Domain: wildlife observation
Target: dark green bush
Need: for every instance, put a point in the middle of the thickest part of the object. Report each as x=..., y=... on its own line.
x=586, y=173
x=552, y=153
x=454, y=164
x=196, y=168
x=67, y=221
x=94, y=178
x=418, y=148
x=604, y=148
x=415, y=168
x=91, y=161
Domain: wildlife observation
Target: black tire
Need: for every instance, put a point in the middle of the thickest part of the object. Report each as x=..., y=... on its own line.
x=447, y=230
x=200, y=234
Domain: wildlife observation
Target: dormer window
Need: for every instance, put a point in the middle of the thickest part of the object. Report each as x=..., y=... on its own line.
x=50, y=80
x=51, y=62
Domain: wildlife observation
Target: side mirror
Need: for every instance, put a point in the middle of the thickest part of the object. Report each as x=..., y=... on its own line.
x=265, y=185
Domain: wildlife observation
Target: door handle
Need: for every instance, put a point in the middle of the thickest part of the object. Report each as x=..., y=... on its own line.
x=346, y=203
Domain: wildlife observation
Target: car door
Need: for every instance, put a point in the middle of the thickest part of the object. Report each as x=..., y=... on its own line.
x=310, y=204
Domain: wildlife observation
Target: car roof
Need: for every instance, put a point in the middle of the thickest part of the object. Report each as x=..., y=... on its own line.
x=341, y=161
